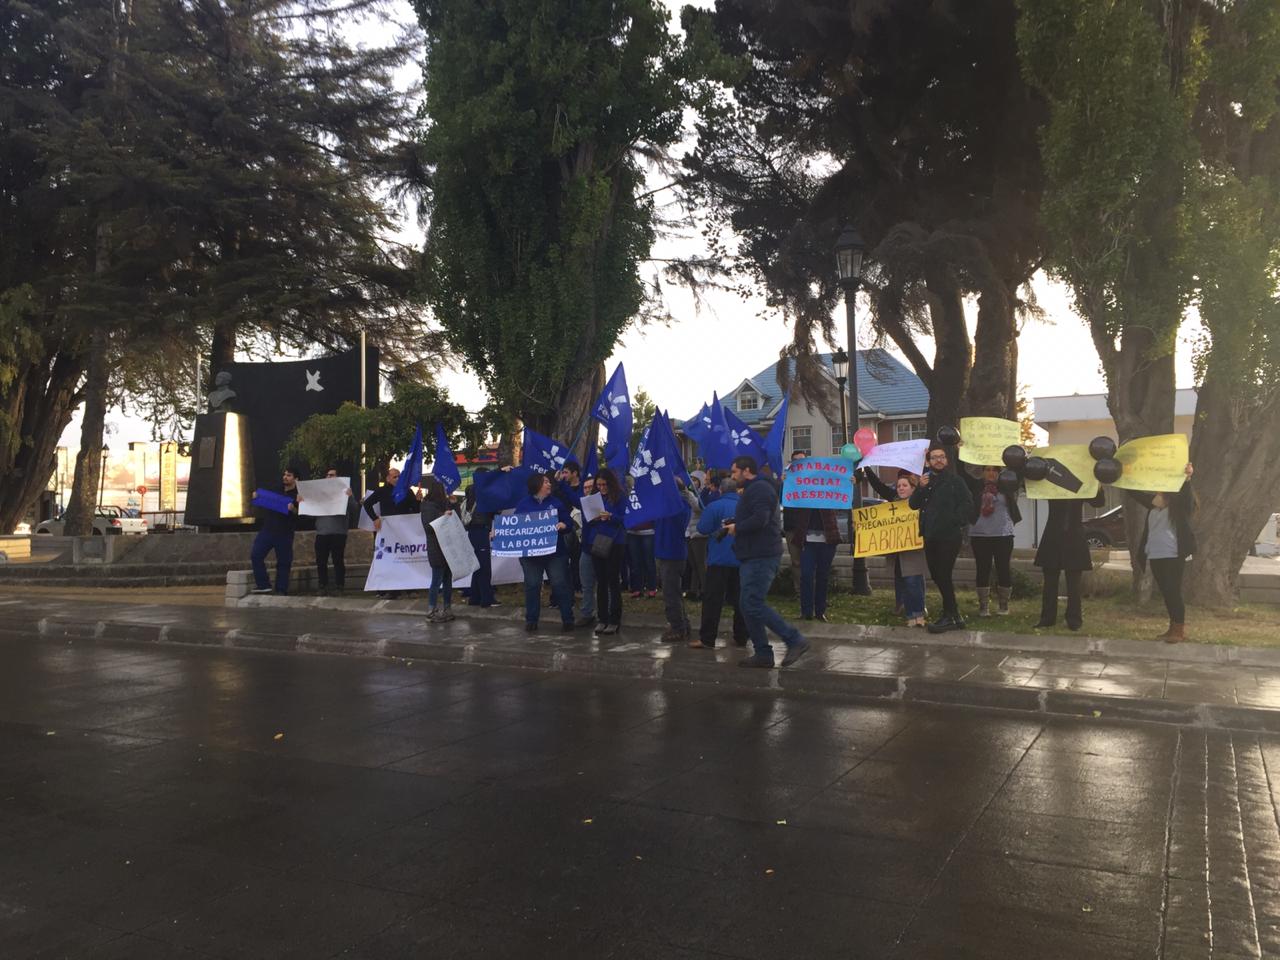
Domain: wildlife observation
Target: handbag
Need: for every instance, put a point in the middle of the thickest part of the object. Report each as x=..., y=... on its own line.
x=602, y=546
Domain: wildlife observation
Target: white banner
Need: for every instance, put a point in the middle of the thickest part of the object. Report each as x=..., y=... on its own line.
x=365, y=523
x=505, y=570
x=455, y=545
x=900, y=455
x=400, y=555
x=326, y=497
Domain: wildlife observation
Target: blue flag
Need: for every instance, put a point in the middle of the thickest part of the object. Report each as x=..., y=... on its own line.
x=654, y=494
x=445, y=469
x=542, y=453
x=777, y=438
x=745, y=441
x=697, y=428
x=411, y=475
x=592, y=467
x=613, y=409
x=717, y=447
x=500, y=490
x=681, y=470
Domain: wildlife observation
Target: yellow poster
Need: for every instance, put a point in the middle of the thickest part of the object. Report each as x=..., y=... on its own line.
x=886, y=528
x=1070, y=474
x=1155, y=464
x=983, y=439
x=168, y=476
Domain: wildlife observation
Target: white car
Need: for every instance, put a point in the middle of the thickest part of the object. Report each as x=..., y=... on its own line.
x=107, y=521
x=23, y=530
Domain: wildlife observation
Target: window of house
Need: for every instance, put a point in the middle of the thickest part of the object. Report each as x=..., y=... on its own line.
x=911, y=430
x=748, y=400
x=802, y=440
x=837, y=440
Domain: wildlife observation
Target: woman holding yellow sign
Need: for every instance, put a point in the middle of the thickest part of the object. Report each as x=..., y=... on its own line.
x=1167, y=541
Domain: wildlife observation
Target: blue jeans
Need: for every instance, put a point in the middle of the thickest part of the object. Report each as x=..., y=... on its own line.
x=815, y=576
x=556, y=567
x=441, y=581
x=587, y=573
x=908, y=593
x=644, y=567
x=755, y=577
x=264, y=543
x=481, y=589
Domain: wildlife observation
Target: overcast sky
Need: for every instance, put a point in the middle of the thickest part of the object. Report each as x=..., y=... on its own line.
x=681, y=363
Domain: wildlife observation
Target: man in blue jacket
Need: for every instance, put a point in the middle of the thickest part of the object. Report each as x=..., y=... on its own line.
x=722, y=569
x=757, y=533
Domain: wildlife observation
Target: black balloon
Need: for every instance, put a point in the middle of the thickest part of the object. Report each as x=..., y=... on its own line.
x=1015, y=457
x=1035, y=468
x=1108, y=470
x=1009, y=480
x=1102, y=448
x=948, y=436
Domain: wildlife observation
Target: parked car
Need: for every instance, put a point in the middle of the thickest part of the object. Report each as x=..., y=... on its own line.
x=22, y=530
x=1106, y=529
x=107, y=521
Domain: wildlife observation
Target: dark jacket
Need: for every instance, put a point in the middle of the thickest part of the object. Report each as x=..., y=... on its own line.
x=279, y=523
x=886, y=491
x=611, y=527
x=384, y=497
x=757, y=522
x=433, y=511
x=823, y=521
x=1062, y=545
x=563, y=514
x=945, y=506
x=976, y=485
x=1182, y=506
x=668, y=535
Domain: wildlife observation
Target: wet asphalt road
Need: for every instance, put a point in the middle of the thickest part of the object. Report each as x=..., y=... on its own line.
x=164, y=802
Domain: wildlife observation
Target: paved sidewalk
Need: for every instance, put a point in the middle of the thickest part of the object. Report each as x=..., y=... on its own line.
x=886, y=666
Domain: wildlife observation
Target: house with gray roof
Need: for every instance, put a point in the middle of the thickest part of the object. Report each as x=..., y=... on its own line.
x=892, y=400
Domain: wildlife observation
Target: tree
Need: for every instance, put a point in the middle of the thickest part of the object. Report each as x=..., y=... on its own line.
x=192, y=175
x=913, y=123
x=539, y=120
x=642, y=410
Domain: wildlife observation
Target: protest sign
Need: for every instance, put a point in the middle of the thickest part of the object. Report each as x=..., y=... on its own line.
x=886, y=528
x=326, y=497
x=455, y=545
x=1155, y=464
x=364, y=523
x=525, y=534
x=1070, y=474
x=592, y=507
x=399, y=555
x=900, y=455
x=819, y=483
x=501, y=570
x=271, y=500
x=983, y=439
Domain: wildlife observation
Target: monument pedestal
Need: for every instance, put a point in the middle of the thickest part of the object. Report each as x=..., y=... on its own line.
x=220, y=490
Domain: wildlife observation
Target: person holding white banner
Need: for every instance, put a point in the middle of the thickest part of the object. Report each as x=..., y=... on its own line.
x=555, y=566
x=435, y=504
x=331, y=542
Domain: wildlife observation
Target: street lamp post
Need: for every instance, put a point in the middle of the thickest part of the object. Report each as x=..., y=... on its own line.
x=849, y=250
x=102, y=476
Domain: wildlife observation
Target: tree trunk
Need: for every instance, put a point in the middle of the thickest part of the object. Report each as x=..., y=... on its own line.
x=949, y=378
x=993, y=383
x=223, y=349
x=1235, y=450
x=38, y=404
x=84, y=487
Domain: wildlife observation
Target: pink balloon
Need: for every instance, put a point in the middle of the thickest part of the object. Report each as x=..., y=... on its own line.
x=865, y=439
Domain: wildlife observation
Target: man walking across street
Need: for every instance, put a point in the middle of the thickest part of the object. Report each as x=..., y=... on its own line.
x=722, y=570
x=757, y=533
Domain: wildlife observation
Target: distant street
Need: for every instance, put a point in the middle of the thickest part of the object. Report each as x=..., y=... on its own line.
x=165, y=802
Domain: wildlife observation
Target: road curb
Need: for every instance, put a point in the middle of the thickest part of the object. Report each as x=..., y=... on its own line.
x=806, y=679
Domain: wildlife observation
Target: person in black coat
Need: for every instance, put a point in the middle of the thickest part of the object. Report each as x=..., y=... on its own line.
x=1167, y=541
x=1063, y=550
x=435, y=504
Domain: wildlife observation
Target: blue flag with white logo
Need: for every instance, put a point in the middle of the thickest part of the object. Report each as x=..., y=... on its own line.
x=592, y=467
x=500, y=490
x=699, y=426
x=445, y=469
x=654, y=494
x=745, y=442
x=777, y=438
x=716, y=446
x=543, y=453
x=411, y=475
x=613, y=409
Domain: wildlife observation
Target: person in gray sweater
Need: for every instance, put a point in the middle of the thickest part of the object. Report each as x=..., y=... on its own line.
x=331, y=543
